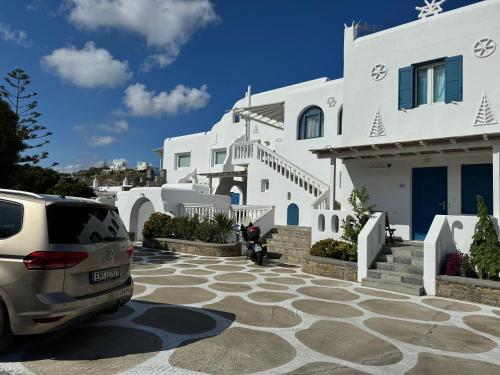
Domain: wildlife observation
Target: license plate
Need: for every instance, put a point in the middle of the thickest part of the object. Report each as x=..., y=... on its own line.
x=104, y=275
x=258, y=248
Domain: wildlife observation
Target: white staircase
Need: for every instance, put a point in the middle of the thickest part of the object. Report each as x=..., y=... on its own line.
x=246, y=152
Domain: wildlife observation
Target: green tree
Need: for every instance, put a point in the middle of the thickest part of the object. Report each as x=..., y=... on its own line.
x=11, y=145
x=358, y=200
x=36, y=179
x=72, y=187
x=485, y=248
x=33, y=134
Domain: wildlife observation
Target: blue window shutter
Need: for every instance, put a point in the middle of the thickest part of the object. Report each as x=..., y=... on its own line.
x=406, y=88
x=454, y=79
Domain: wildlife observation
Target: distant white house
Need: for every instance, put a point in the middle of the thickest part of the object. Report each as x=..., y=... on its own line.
x=143, y=166
x=414, y=119
x=118, y=165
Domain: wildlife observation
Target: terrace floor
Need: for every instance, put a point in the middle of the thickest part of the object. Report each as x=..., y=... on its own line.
x=193, y=314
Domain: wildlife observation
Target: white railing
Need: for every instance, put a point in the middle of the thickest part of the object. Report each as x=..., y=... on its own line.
x=370, y=242
x=243, y=153
x=328, y=224
x=204, y=211
x=265, y=222
x=241, y=214
x=322, y=202
x=249, y=214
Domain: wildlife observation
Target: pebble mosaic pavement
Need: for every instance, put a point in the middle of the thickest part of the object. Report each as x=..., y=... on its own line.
x=196, y=314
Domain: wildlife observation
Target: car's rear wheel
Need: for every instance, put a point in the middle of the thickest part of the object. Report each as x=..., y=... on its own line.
x=6, y=336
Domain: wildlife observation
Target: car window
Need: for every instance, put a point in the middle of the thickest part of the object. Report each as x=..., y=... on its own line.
x=74, y=224
x=11, y=219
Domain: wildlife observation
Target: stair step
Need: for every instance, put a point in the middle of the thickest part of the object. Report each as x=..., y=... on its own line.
x=293, y=244
x=287, y=237
x=288, y=251
x=414, y=261
x=400, y=267
x=411, y=289
x=396, y=277
x=404, y=251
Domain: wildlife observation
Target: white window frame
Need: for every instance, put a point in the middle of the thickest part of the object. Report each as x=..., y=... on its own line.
x=177, y=159
x=214, y=156
x=430, y=82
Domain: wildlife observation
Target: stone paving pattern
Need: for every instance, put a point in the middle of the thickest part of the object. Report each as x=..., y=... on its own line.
x=198, y=314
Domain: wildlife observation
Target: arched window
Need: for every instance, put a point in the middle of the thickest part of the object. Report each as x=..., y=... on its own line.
x=311, y=123
x=339, y=120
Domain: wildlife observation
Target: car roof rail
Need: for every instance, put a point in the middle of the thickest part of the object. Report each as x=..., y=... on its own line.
x=19, y=192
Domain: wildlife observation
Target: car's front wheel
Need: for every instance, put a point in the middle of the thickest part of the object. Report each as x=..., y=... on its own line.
x=6, y=336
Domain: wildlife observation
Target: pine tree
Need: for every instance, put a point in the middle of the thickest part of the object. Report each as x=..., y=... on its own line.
x=485, y=248
x=24, y=106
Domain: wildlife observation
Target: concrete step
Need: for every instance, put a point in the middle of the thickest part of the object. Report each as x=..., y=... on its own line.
x=404, y=251
x=396, y=277
x=400, y=267
x=287, y=251
x=292, y=231
x=411, y=289
x=414, y=261
x=286, y=237
x=291, y=244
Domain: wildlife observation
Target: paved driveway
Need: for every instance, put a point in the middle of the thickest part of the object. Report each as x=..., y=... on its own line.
x=227, y=316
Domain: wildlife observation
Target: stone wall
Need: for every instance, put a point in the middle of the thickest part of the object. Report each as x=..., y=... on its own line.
x=194, y=247
x=334, y=268
x=467, y=289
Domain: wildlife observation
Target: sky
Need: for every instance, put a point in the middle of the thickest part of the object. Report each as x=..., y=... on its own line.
x=116, y=77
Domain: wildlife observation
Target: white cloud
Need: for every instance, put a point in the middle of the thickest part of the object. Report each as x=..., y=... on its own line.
x=19, y=37
x=78, y=128
x=100, y=140
x=166, y=25
x=122, y=160
x=117, y=127
x=89, y=67
x=182, y=99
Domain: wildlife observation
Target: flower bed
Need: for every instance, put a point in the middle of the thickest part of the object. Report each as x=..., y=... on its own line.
x=194, y=247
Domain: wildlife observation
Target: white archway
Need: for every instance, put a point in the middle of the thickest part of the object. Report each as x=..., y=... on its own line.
x=140, y=213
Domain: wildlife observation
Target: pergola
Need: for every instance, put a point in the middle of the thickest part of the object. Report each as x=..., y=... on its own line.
x=269, y=114
x=425, y=147
x=227, y=174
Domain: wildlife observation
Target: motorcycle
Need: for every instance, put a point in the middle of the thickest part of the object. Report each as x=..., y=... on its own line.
x=256, y=251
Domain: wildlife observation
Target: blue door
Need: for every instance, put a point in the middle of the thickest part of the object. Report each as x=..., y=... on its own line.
x=235, y=198
x=429, y=198
x=292, y=215
x=477, y=179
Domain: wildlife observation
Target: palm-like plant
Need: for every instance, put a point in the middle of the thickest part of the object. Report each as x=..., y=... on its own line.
x=224, y=227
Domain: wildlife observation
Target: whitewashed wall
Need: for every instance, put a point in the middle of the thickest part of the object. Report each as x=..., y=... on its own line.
x=449, y=34
x=389, y=184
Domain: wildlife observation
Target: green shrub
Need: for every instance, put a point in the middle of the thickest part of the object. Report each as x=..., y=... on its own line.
x=154, y=227
x=205, y=231
x=485, y=248
x=331, y=248
x=217, y=230
x=362, y=213
x=224, y=227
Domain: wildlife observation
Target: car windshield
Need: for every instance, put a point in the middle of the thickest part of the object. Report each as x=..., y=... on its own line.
x=84, y=224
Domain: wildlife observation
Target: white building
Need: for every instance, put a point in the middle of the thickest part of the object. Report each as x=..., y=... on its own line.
x=119, y=165
x=413, y=119
x=143, y=166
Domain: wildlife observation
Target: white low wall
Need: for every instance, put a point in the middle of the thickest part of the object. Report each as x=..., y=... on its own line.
x=448, y=233
x=370, y=242
x=327, y=224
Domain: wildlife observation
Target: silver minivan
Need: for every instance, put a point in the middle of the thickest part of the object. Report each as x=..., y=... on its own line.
x=62, y=259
